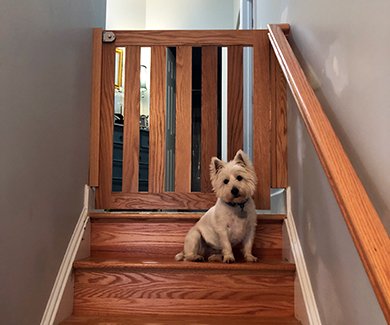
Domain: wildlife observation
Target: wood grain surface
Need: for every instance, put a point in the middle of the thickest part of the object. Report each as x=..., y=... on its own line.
x=95, y=107
x=188, y=37
x=262, y=122
x=164, y=201
x=103, y=192
x=183, y=151
x=209, y=122
x=113, y=216
x=157, y=129
x=235, y=100
x=278, y=124
x=164, y=263
x=165, y=238
x=367, y=231
x=136, y=319
x=229, y=290
x=131, y=120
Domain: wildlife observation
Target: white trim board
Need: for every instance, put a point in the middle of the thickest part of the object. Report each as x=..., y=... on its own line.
x=65, y=270
x=306, y=306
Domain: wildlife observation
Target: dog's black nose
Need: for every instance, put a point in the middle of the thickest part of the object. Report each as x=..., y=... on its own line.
x=235, y=191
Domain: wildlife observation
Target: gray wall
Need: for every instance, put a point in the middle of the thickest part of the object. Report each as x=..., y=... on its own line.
x=343, y=47
x=45, y=62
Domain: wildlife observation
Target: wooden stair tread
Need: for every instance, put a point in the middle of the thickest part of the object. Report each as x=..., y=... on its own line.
x=116, y=235
x=178, y=320
x=165, y=263
x=99, y=214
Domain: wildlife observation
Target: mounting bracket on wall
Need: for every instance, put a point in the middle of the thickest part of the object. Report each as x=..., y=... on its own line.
x=108, y=37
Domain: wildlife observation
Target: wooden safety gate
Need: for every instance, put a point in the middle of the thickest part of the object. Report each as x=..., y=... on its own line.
x=269, y=116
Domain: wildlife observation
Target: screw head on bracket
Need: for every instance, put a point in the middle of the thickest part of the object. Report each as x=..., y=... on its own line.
x=108, y=37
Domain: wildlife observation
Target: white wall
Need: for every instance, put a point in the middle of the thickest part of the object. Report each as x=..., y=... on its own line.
x=343, y=47
x=45, y=61
x=125, y=14
x=170, y=14
x=189, y=14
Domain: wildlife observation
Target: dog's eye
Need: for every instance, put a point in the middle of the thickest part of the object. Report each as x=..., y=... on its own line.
x=239, y=178
x=226, y=181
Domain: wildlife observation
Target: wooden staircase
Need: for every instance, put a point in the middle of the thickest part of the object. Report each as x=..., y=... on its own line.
x=132, y=277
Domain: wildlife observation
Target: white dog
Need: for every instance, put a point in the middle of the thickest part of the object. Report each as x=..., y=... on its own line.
x=232, y=220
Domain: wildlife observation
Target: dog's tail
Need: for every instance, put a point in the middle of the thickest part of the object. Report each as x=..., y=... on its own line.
x=179, y=256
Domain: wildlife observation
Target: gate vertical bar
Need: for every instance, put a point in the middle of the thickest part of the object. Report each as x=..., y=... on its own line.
x=157, y=128
x=278, y=124
x=262, y=121
x=131, y=120
x=103, y=194
x=209, y=127
x=183, y=119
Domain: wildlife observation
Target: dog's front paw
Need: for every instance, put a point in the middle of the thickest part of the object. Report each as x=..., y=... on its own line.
x=250, y=258
x=228, y=258
x=194, y=258
x=215, y=258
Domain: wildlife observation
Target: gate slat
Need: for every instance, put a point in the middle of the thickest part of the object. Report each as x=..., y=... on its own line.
x=157, y=119
x=281, y=127
x=131, y=120
x=235, y=100
x=262, y=122
x=183, y=119
x=106, y=127
x=279, y=124
x=209, y=124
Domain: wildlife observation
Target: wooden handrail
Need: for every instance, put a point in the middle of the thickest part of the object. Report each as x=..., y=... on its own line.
x=367, y=231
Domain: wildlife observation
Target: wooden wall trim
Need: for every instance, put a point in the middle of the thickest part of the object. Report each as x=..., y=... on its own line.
x=367, y=231
x=95, y=107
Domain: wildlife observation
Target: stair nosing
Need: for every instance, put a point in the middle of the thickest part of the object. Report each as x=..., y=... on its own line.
x=123, y=215
x=150, y=263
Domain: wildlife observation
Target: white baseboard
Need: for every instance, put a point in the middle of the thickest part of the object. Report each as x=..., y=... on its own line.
x=305, y=304
x=65, y=270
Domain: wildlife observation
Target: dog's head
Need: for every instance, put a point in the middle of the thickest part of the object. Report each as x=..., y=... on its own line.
x=233, y=181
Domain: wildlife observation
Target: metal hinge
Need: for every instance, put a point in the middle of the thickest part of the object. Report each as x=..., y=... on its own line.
x=108, y=37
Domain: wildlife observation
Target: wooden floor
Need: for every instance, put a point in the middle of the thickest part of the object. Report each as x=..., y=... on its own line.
x=178, y=320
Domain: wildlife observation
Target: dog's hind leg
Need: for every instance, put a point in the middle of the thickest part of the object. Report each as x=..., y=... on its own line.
x=193, y=246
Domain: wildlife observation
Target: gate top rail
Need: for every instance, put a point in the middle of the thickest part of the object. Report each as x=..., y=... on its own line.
x=187, y=37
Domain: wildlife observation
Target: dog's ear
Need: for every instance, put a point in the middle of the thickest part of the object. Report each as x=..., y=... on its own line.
x=242, y=159
x=216, y=165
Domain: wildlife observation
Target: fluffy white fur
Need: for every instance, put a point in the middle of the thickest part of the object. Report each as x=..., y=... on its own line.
x=232, y=220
